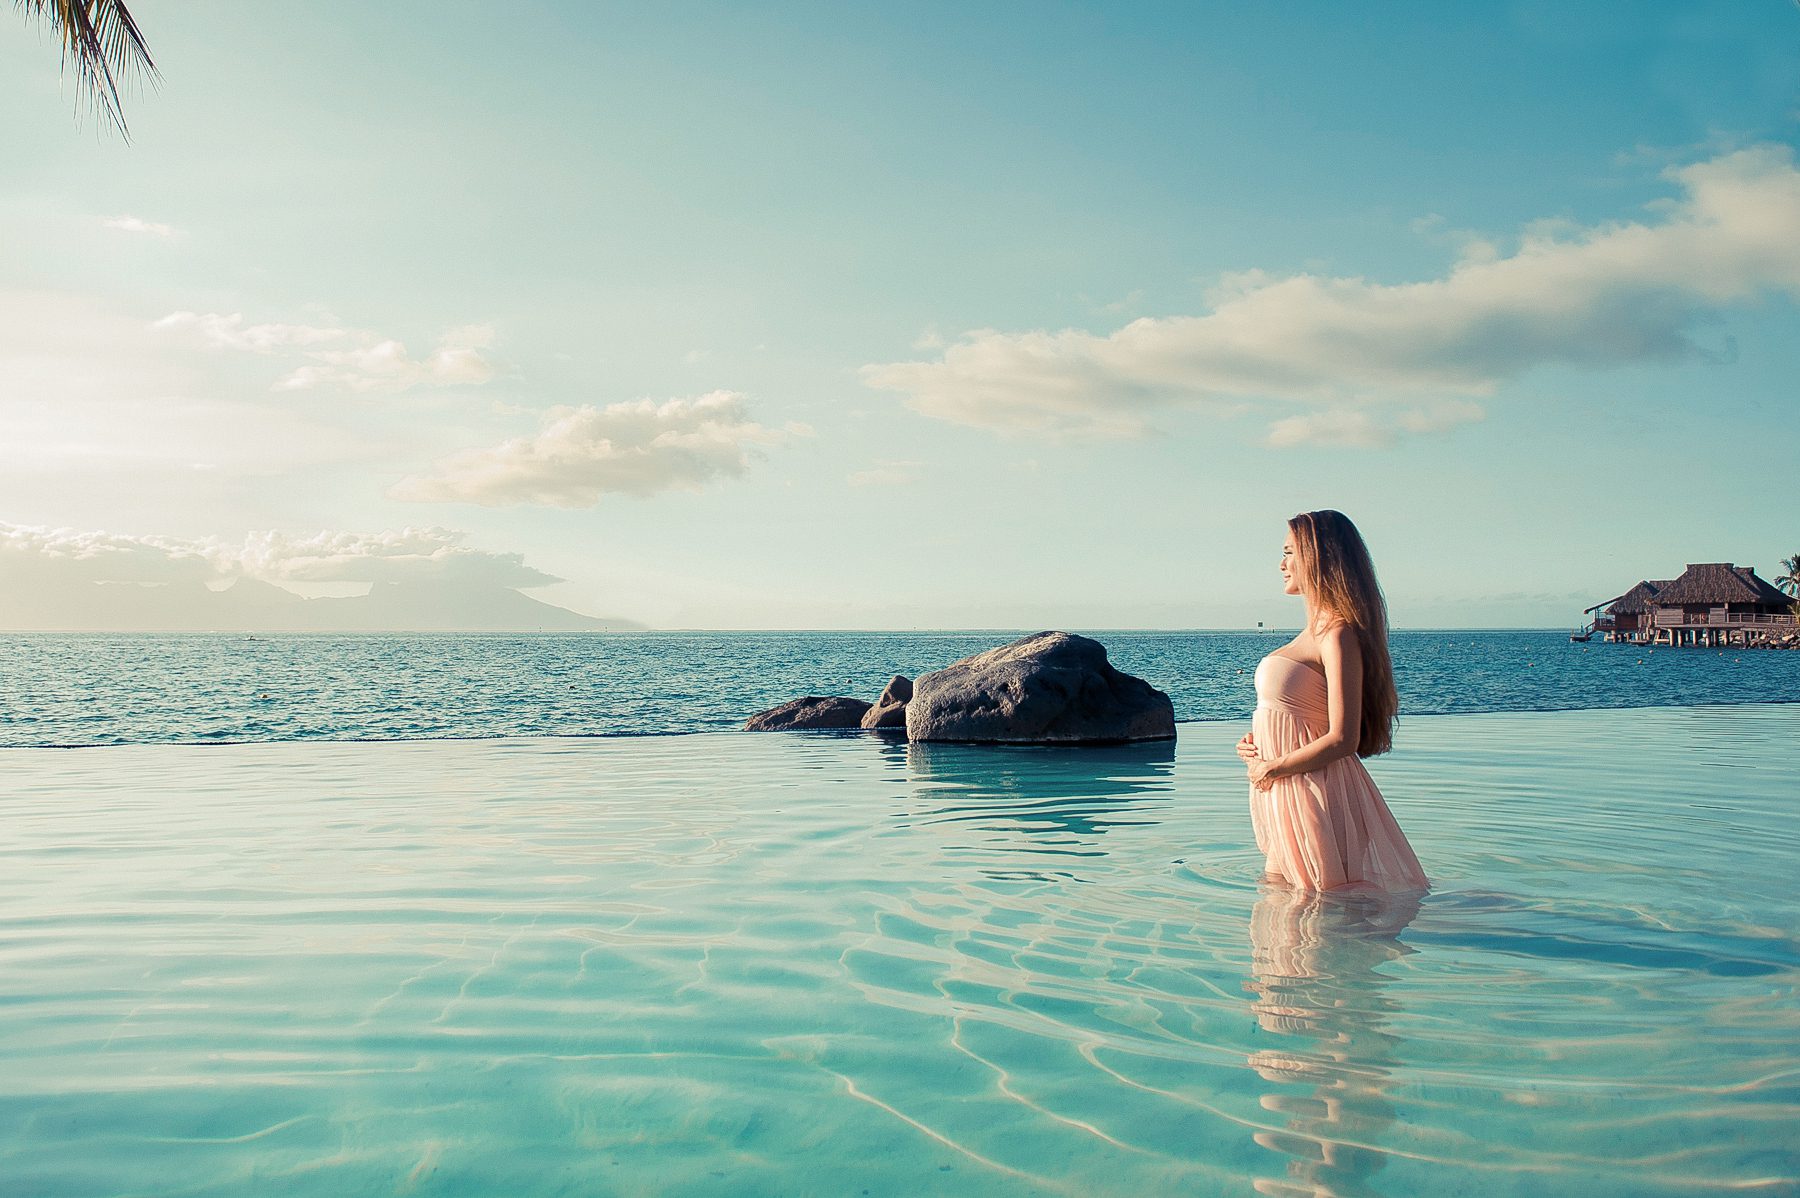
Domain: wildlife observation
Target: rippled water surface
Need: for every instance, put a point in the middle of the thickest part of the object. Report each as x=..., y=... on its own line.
x=59, y=689
x=835, y=965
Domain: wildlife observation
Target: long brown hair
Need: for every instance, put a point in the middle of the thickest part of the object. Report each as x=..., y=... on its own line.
x=1340, y=579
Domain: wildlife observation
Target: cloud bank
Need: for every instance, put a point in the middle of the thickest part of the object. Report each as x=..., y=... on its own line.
x=583, y=453
x=419, y=579
x=28, y=553
x=406, y=555
x=1368, y=361
x=336, y=356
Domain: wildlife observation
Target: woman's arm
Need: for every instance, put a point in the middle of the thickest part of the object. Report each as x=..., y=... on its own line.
x=1342, y=659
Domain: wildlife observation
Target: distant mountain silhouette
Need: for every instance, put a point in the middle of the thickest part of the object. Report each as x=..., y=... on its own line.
x=249, y=605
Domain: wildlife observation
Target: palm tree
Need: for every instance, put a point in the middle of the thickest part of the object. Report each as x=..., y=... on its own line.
x=101, y=42
x=1788, y=582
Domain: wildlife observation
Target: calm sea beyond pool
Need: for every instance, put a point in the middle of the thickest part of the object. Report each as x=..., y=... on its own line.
x=348, y=952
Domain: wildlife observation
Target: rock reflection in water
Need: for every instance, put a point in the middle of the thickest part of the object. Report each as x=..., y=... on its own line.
x=1319, y=989
x=1061, y=798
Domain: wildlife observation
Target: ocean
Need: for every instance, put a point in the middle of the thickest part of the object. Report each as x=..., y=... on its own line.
x=203, y=688
x=731, y=964
x=454, y=916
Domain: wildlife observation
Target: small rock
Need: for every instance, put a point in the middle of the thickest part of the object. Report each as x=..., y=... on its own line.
x=808, y=713
x=889, y=711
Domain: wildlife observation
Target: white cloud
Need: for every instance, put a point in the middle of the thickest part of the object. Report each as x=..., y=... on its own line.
x=1594, y=298
x=336, y=356
x=887, y=474
x=32, y=553
x=1333, y=426
x=581, y=453
x=95, y=408
x=1133, y=299
x=1365, y=427
x=230, y=332
x=132, y=224
x=386, y=366
x=409, y=554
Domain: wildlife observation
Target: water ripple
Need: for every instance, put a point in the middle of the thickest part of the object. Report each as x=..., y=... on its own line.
x=768, y=965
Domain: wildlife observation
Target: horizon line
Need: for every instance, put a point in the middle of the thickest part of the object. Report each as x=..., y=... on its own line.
x=1235, y=628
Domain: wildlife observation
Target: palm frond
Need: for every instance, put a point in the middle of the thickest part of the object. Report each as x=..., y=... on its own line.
x=1788, y=582
x=101, y=45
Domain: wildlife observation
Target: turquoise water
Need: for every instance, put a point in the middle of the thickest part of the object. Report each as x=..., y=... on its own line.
x=82, y=689
x=835, y=965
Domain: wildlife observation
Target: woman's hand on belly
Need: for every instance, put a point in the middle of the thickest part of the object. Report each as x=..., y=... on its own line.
x=1253, y=762
x=1246, y=748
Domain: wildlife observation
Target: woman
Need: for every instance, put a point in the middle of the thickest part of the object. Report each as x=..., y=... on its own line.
x=1323, y=700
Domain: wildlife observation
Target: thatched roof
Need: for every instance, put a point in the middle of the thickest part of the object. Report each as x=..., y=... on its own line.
x=1636, y=601
x=1719, y=582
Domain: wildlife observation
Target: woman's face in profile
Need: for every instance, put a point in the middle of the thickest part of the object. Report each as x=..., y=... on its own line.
x=1290, y=566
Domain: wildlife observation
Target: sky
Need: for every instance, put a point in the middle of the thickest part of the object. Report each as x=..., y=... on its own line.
x=905, y=316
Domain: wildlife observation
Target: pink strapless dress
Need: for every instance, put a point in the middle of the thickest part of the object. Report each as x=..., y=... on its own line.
x=1331, y=827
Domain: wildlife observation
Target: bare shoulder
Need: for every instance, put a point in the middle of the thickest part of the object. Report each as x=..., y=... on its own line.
x=1339, y=639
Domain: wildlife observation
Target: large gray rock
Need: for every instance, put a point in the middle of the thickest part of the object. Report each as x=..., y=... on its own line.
x=889, y=712
x=1053, y=687
x=811, y=712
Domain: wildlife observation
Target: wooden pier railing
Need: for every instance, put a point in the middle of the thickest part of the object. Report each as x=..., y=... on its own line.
x=1667, y=618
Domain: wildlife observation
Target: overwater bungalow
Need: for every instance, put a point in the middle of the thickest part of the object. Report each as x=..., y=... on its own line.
x=1625, y=618
x=1711, y=604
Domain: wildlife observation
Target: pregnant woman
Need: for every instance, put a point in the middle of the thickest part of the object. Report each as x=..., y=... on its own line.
x=1324, y=700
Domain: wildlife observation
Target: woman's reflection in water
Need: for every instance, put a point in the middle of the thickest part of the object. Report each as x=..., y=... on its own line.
x=1321, y=1002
